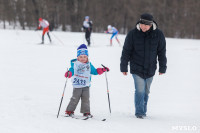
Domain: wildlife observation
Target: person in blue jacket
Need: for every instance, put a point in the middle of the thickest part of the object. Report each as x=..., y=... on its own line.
x=81, y=71
x=114, y=32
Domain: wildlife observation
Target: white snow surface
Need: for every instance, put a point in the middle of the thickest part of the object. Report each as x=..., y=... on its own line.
x=32, y=81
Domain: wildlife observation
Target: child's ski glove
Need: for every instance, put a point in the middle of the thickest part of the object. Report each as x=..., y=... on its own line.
x=68, y=74
x=102, y=70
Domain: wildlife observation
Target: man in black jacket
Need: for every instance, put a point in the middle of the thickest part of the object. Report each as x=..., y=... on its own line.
x=142, y=46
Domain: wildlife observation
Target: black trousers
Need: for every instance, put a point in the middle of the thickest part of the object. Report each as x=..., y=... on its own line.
x=87, y=35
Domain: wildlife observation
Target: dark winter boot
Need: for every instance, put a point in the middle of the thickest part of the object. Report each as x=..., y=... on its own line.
x=139, y=116
x=88, y=115
x=88, y=41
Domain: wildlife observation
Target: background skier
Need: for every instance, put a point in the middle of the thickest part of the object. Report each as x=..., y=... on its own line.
x=87, y=26
x=114, y=33
x=45, y=25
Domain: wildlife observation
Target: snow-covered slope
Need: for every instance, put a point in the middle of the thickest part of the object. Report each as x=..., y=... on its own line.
x=32, y=81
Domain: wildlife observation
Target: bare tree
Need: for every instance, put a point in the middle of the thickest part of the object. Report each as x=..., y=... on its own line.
x=177, y=18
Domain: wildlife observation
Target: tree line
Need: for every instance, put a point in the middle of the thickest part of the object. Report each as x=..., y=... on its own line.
x=176, y=18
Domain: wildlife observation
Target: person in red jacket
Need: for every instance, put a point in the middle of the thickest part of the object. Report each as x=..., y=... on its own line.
x=45, y=25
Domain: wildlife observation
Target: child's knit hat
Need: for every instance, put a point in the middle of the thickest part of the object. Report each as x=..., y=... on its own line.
x=82, y=50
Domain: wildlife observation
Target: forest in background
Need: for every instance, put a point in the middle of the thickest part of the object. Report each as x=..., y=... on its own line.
x=176, y=18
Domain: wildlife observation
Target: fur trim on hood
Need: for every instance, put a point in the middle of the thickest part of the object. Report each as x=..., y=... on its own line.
x=155, y=26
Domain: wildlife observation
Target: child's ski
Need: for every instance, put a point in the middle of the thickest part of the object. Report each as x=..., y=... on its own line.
x=85, y=118
x=72, y=117
x=93, y=119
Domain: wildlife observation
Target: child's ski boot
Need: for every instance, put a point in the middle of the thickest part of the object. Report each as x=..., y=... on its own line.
x=69, y=113
x=88, y=115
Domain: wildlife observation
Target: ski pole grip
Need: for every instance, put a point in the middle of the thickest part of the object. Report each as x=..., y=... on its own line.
x=105, y=67
x=67, y=73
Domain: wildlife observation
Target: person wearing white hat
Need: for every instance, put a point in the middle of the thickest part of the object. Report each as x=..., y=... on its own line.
x=114, y=33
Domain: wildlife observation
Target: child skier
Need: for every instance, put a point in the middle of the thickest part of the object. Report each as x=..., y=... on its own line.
x=80, y=71
x=114, y=32
x=45, y=25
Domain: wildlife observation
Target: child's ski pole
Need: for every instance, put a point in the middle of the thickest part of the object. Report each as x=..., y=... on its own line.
x=62, y=96
x=107, y=87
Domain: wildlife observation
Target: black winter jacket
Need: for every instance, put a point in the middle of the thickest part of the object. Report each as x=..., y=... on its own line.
x=142, y=50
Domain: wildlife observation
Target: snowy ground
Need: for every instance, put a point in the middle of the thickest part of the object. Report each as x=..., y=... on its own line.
x=32, y=81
